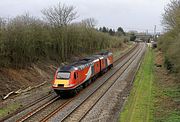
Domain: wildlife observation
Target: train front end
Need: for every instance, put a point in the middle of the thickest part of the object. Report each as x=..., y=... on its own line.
x=63, y=80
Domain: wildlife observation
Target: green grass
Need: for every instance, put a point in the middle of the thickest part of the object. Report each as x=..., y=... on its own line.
x=173, y=116
x=139, y=107
x=5, y=111
x=167, y=99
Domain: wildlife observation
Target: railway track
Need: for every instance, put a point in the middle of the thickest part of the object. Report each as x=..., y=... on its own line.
x=67, y=115
x=27, y=107
x=28, y=115
x=66, y=102
x=125, y=55
x=79, y=112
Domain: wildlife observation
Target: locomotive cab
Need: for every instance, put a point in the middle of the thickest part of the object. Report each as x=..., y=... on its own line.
x=73, y=77
x=64, y=78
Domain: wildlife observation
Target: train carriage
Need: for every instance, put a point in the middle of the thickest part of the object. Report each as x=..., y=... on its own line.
x=71, y=77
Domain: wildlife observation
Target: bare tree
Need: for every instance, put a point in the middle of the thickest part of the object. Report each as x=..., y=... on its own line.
x=24, y=20
x=60, y=15
x=171, y=17
x=89, y=22
x=2, y=23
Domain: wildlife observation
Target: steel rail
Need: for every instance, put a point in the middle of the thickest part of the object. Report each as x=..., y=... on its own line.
x=26, y=107
x=28, y=115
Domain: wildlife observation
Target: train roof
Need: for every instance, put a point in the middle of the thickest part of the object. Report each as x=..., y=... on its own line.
x=99, y=56
x=66, y=68
x=82, y=62
x=85, y=61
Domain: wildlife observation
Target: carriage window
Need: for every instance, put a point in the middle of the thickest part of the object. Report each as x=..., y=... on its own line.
x=63, y=75
x=75, y=75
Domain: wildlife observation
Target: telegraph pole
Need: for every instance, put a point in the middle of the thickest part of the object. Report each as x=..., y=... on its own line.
x=154, y=31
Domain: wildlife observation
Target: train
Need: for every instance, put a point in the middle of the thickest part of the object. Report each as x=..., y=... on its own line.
x=69, y=79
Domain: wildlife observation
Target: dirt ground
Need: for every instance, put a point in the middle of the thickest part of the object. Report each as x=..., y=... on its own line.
x=15, y=79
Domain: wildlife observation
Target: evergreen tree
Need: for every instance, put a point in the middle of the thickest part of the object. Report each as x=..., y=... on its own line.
x=100, y=29
x=104, y=29
x=120, y=31
x=111, y=32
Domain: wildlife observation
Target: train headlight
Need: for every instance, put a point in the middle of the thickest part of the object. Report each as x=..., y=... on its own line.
x=55, y=85
x=69, y=85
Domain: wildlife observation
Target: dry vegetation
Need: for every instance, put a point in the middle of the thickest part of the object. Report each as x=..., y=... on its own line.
x=32, y=48
x=26, y=39
x=168, y=86
x=169, y=43
x=166, y=92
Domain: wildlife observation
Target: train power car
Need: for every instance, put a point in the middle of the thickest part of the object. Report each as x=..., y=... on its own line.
x=71, y=78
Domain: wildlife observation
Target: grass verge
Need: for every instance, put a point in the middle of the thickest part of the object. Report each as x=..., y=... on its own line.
x=139, y=107
x=10, y=108
x=167, y=94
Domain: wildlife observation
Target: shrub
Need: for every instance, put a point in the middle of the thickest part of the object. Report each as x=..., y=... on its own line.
x=26, y=39
x=169, y=43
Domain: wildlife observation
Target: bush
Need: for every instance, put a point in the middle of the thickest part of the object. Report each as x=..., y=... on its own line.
x=25, y=40
x=169, y=43
x=132, y=37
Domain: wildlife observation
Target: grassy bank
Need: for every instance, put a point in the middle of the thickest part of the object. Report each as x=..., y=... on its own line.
x=8, y=109
x=167, y=94
x=167, y=100
x=139, y=107
x=169, y=42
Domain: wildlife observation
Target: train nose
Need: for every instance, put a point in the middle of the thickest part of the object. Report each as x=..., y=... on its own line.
x=58, y=82
x=62, y=83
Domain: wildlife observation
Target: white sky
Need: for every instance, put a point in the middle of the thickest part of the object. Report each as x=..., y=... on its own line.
x=130, y=14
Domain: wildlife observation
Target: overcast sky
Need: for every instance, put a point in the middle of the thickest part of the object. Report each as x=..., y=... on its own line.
x=130, y=14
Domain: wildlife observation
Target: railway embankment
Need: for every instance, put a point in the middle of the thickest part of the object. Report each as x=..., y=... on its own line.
x=155, y=96
x=167, y=93
x=33, y=76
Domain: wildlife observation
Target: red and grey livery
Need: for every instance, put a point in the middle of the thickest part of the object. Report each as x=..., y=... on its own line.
x=77, y=74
